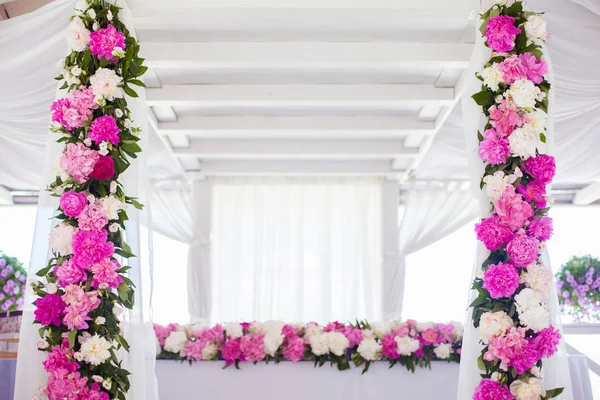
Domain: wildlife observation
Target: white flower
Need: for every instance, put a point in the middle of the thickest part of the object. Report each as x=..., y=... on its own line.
x=523, y=143
x=61, y=239
x=532, y=390
x=96, y=26
x=337, y=342
x=118, y=52
x=380, y=329
x=369, y=349
x=422, y=326
x=524, y=93
x=118, y=113
x=127, y=123
x=103, y=148
x=87, y=142
x=95, y=350
x=158, y=348
x=72, y=80
x=368, y=334
x=59, y=190
x=106, y=385
x=117, y=310
x=443, y=350
x=532, y=309
x=536, y=371
x=499, y=99
x=234, y=330
x=505, y=2
x=60, y=65
x=496, y=183
x=209, y=351
x=100, y=320
x=98, y=378
x=537, y=121
x=112, y=205
x=407, y=345
x=272, y=341
x=319, y=344
x=92, y=13
x=109, y=15
x=51, y=288
x=176, y=341
x=113, y=186
x=312, y=330
x=494, y=324
x=76, y=71
x=535, y=28
x=538, y=278
x=492, y=77
x=114, y=227
x=106, y=83
x=42, y=344
x=78, y=36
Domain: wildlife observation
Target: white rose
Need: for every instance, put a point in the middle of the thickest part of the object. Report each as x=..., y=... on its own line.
x=443, y=351
x=524, y=93
x=51, y=288
x=492, y=77
x=337, y=342
x=532, y=390
x=76, y=71
x=523, y=143
x=97, y=378
x=535, y=28
x=112, y=205
x=538, y=278
x=118, y=113
x=380, y=329
x=127, y=123
x=312, y=330
x=42, y=344
x=272, y=341
x=114, y=227
x=234, y=330
x=113, y=187
x=96, y=26
x=176, y=341
x=422, y=326
x=106, y=84
x=118, y=52
x=209, y=351
x=109, y=15
x=536, y=371
x=106, y=385
x=369, y=349
x=60, y=65
x=158, y=348
x=493, y=324
x=78, y=36
x=103, y=148
x=319, y=344
x=87, y=142
x=100, y=320
x=61, y=239
x=496, y=183
x=407, y=345
x=95, y=350
x=73, y=80
x=532, y=309
x=92, y=13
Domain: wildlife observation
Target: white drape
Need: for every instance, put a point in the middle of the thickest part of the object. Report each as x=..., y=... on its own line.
x=296, y=249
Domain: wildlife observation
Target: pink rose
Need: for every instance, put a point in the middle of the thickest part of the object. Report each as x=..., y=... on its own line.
x=72, y=203
x=104, y=168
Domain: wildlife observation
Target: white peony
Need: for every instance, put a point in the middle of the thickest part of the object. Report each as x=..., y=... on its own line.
x=538, y=278
x=234, y=330
x=536, y=121
x=78, y=37
x=76, y=71
x=524, y=93
x=457, y=334
x=492, y=77
x=369, y=349
x=443, y=351
x=61, y=239
x=176, y=341
x=337, y=342
x=380, y=329
x=312, y=330
x=535, y=28
x=407, y=345
x=106, y=83
x=496, y=183
x=493, y=324
x=422, y=326
x=532, y=309
x=95, y=350
x=523, y=143
x=532, y=390
x=272, y=341
x=112, y=205
x=209, y=351
x=319, y=344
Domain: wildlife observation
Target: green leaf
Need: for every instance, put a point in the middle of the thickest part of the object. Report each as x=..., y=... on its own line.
x=134, y=68
x=484, y=98
x=515, y=9
x=72, y=336
x=137, y=82
x=520, y=41
x=550, y=394
x=43, y=272
x=542, y=138
x=129, y=91
x=131, y=147
x=103, y=62
x=123, y=253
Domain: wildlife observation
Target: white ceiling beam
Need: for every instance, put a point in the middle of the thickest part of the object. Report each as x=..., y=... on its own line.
x=312, y=95
x=296, y=149
x=587, y=195
x=296, y=127
x=5, y=197
x=230, y=54
x=153, y=124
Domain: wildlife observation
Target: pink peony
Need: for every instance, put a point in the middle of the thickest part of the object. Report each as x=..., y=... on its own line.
x=50, y=309
x=91, y=247
x=82, y=100
x=501, y=280
x=542, y=168
x=104, y=41
x=492, y=390
x=104, y=129
x=512, y=211
x=73, y=111
x=493, y=148
x=93, y=218
x=504, y=117
x=492, y=234
x=162, y=332
x=546, y=341
x=429, y=336
x=60, y=360
x=72, y=203
x=501, y=33
x=105, y=274
x=534, y=191
x=390, y=347
x=94, y=393
x=523, y=249
x=253, y=347
x=231, y=351
x=78, y=161
x=79, y=304
x=294, y=350
x=334, y=327
x=193, y=350
x=535, y=70
x=512, y=69
x=506, y=348
x=354, y=335
x=104, y=168
x=69, y=274
x=541, y=228
x=524, y=359
x=66, y=386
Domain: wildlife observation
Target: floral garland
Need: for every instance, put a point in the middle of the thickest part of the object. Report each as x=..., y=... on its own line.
x=578, y=285
x=409, y=343
x=12, y=283
x=86, y=287
x=511, y=311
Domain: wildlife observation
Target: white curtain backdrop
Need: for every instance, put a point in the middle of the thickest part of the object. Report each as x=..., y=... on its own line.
x=299, y=249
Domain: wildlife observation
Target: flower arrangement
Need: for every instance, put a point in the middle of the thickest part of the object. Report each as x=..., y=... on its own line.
x=12, y=283
x=85, y=285
x=408, y=343
x=511, y=311
x=578, y=286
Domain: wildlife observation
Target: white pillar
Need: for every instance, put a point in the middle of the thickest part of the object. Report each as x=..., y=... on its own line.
x=393, y=270
x=199, y=260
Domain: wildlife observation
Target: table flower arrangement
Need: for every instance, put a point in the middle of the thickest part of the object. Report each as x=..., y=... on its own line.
x=410, y=343
x=578, y=286
x=13, y=278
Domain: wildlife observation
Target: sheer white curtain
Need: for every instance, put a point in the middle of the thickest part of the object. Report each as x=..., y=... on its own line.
x=298, y=249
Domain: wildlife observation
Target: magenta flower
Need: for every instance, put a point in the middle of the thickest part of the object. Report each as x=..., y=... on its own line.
x=546, y=341
x=541, y=228
x=79, y=161
x=501, y=33
x=512, y=211
x=493, y=149
x=193, y=350
x=504, y=117
x=105, y=274
x=50, y=310
x=69, y=274
x=523, y=249
x=542, y=168
x=534, y=191
x=162, y=332
x=535, y=70
x=91, y=247
x=354, y=335
x=60, y=360
x=501, y=280
x=72, y=203
x=231, y=351
x=93, y=218
x=104, y=129
x=390, y=347
x=79, y=304
x=66, y=386
x=492, y=234
x=294, y=349
x=525, y=359
x=104, y=41
x=492, y=390
x=253, y=347
x=506, y=348
x=512, y=69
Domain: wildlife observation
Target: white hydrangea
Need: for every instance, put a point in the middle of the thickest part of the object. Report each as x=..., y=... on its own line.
x=524, y=93
x=176, y=341
x=78, y=37
x=496, y=183
x=422, y=326
x=492, y=77
x=209, y=352
x=538, y=278
x=369, y=349
x=493, y=324
x=443, y=350
x=95, y=350
x=319, y=344
x=106, y=84
x=532, y=309
x=234, y=330
x=407, y=345
x=531, y=390
x=535, y=28
x=61, y=239
x=272, y=341
x=457, y=334
x=523, y=143
x=112, y=205
x=380, y=329
x=337, y=342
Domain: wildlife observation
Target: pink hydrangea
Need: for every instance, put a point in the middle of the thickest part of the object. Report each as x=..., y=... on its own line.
x=504, y=117
x=506, y=348
x=294, y=349
x=49, y=309
x=72, y=203
x=60, y=360
x=492, y=233
x=104, y=41
x=68, y=386
x=523, y=249
x=193, y=350
x=540, y=228
x=231, y=351
x=91, y=247
x=546, y=341
x=535, y=70
x=79, y=304
x=78, y=161
x=493, y=148
x=512, y=211
x=492, y=390
x=542, y=168
x=93, y=218
x=501, y=280
x=512, y=69
x=105, y=274
x=534, y=191
x=68, y=273
x=104, y=129
x=253, y=347
x=162, y=332
x=501, y=33
x=354, y=335
x=389, y=347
